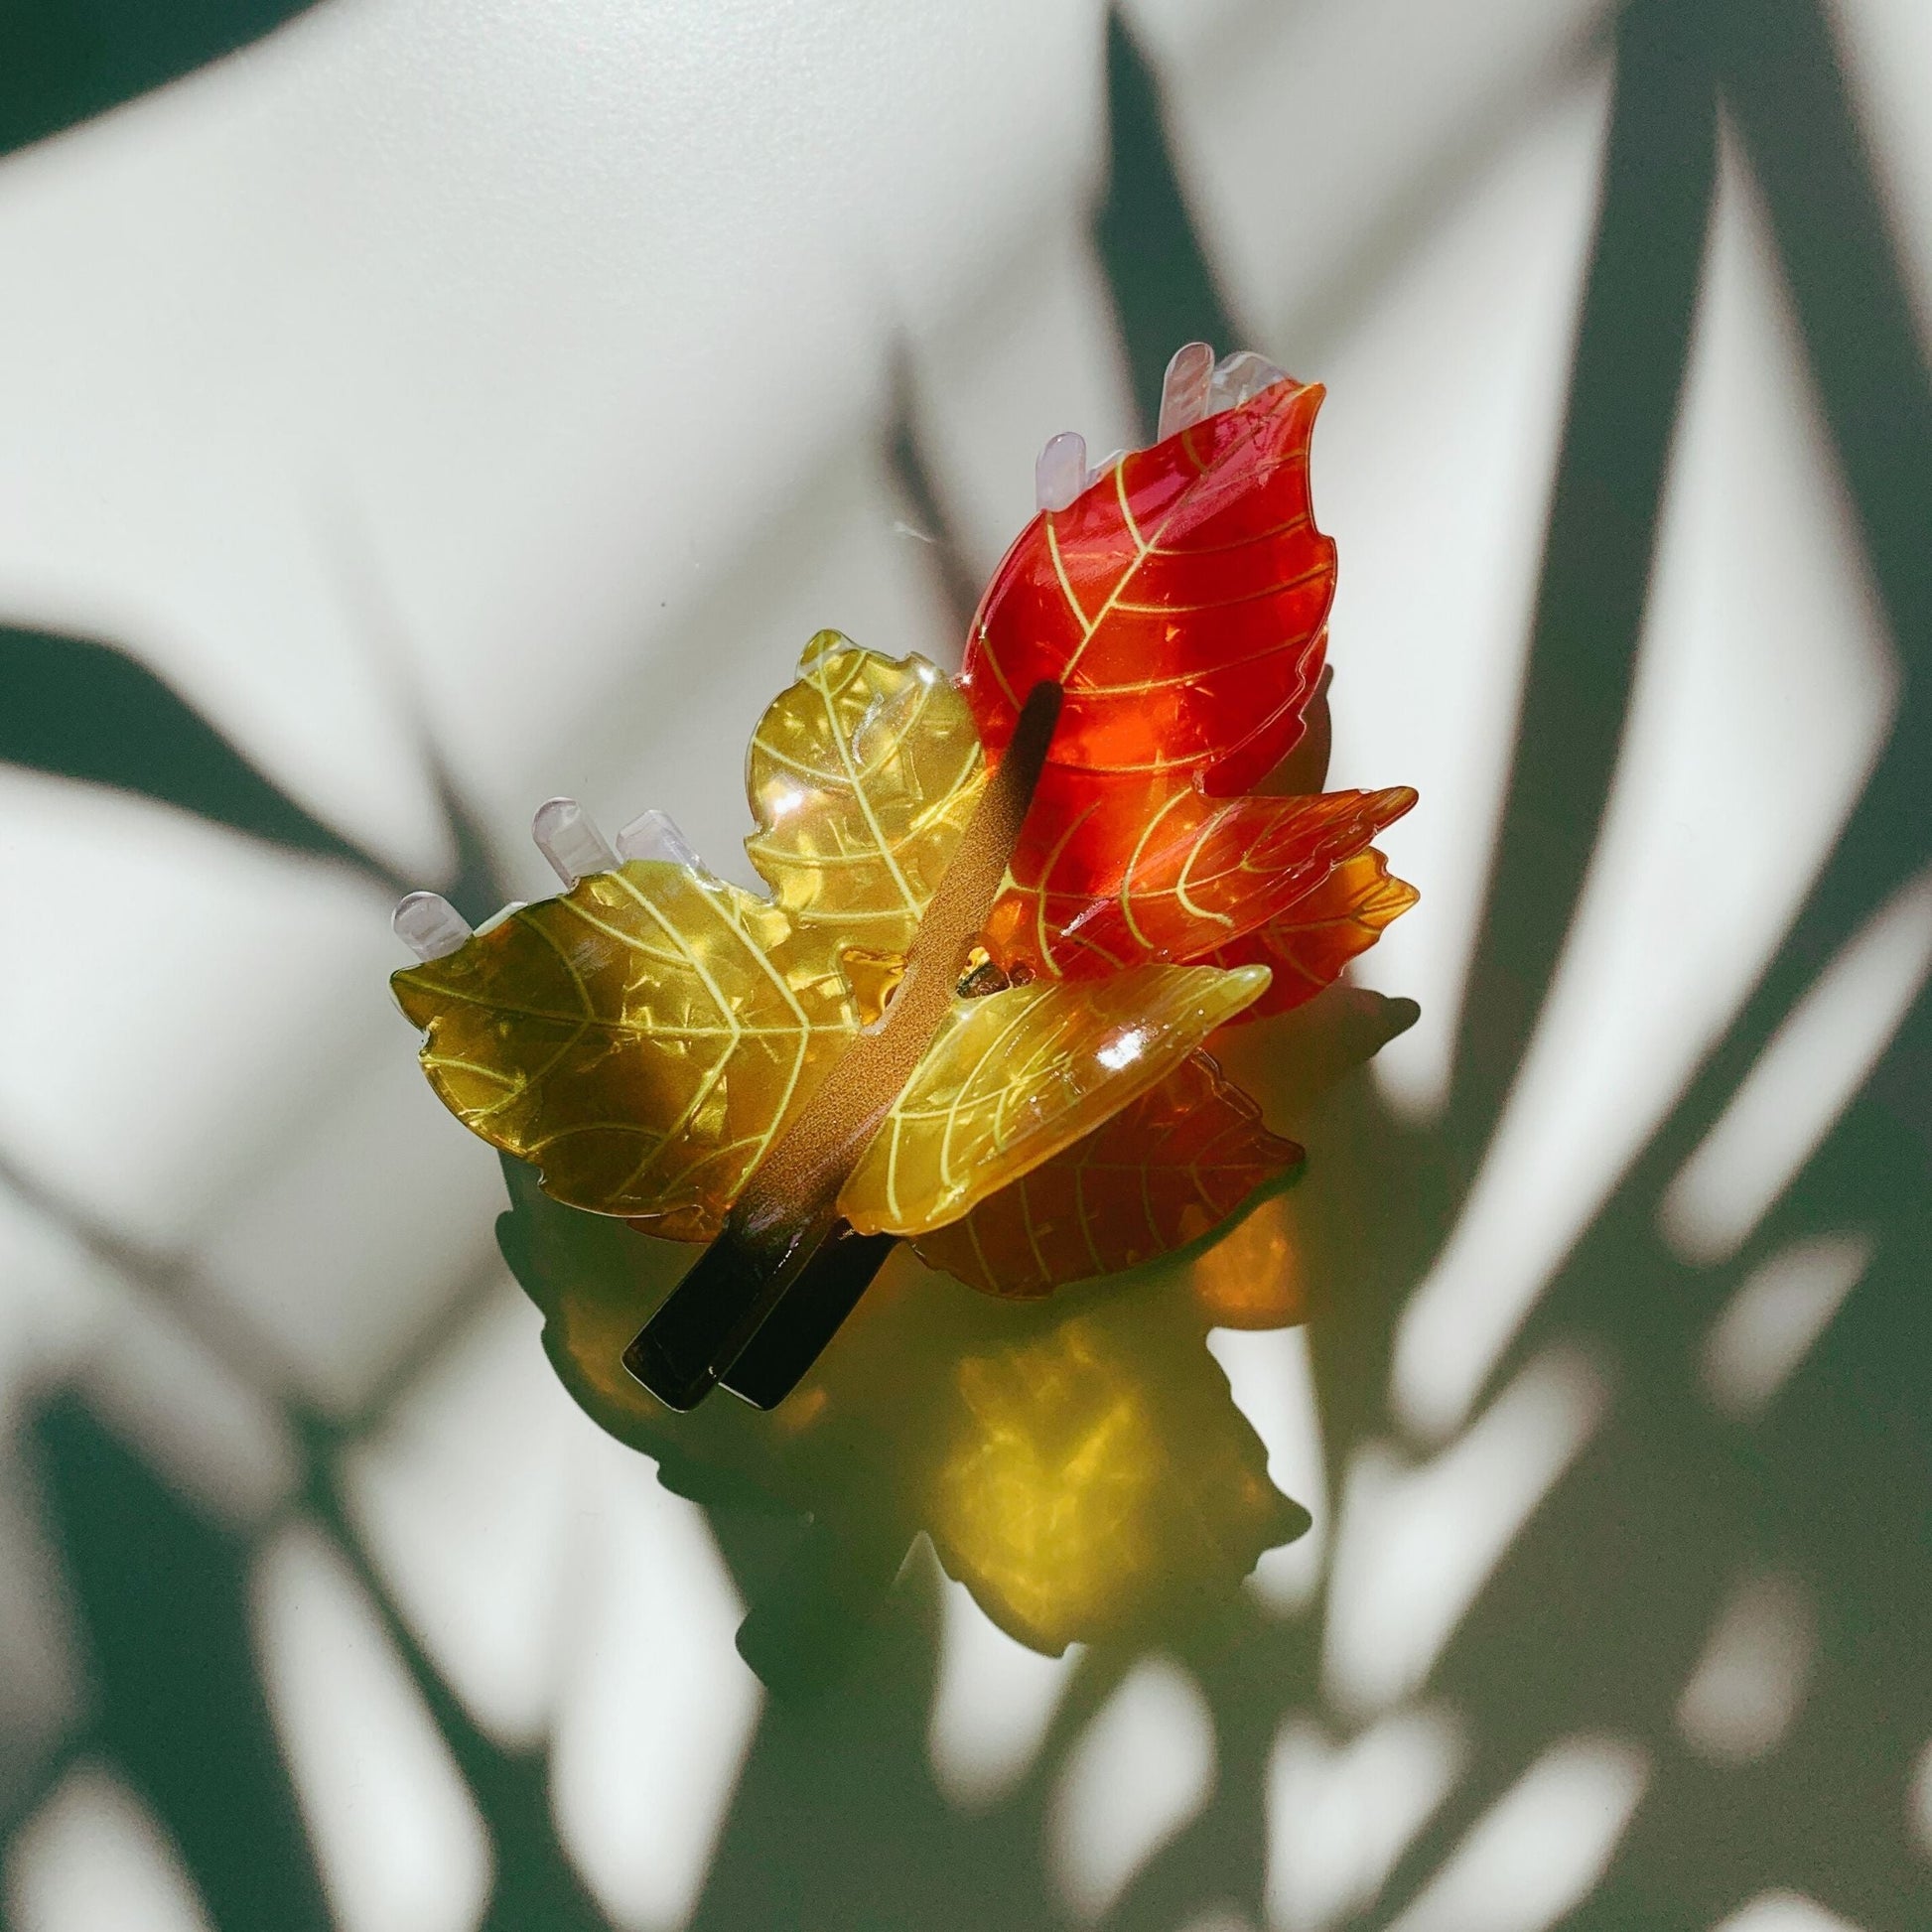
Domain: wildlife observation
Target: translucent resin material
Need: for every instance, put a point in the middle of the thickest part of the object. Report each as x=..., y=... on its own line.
x=1015, y=1078
x=1186, y=389
x=1180, y=601
x=650, y=1038
x=1155, y=871
x=1306, y=946
x=1061, y=473
x=429, y=925
x=646, y=1038
x=1158, y=1175
x=862, y=776
x=566, y=834
x=641, y=1039
x=654, y=835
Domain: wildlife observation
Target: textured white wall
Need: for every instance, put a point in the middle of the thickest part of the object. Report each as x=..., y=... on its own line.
x=508, y=385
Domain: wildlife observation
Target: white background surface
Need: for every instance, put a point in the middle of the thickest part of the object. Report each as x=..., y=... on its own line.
x=509, y=385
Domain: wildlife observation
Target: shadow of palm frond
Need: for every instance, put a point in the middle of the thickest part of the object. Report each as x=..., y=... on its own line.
x=1592, y=1620
x=78, y=709
x=1164, y=293
x=162, y=1597
x=1626, y=378
x=68, y=60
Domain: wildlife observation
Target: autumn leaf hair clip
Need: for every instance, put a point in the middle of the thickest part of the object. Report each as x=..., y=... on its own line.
x=1006, y=912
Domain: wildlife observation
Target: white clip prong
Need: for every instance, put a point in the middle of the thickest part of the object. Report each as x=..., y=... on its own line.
x=1061, y=472
x=430, y=927
x=567, y=835
x=1183, y=389
x=654, y=835
x=1240, y=377
x=1105, y=466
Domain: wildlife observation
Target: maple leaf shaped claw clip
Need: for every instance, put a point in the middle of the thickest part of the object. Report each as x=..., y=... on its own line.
x=1004, y=913
x=784, y=1243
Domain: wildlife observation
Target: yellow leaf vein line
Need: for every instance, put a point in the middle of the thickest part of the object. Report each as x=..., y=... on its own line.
x=1059, y=571
x=1026, y=1221
x=1281, y=589
x=1086, y=1220
x=1187, y=902
x=1141, y=546
x=1134, y=864
x=1042, y=943
x=863, y=798
x=713, y=1073
x=979, y=1252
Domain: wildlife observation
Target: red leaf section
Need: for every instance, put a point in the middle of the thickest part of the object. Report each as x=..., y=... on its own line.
x=1180, y=601
x=1166, y=1170
x=1193, y=872
x=1307, y=946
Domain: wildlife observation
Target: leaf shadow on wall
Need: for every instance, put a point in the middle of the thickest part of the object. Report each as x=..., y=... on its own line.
x=63, y=62
x=1590, y=1622
x=1593, y=1619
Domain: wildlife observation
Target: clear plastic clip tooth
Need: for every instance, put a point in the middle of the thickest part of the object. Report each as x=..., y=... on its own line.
x=430, y=927
x=1183, y=389
x=654, y=835
x=1239, y=378
x=1061, y=472
x=567, y=835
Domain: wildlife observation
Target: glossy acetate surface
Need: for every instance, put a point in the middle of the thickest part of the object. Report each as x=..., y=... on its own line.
x=640, y=1038
x=1306, y=946
x=1162, y=1172
x=1145, y=871
x=1018, y=1076
x=647, y=1037
x=1180, y=598
x=862, y=776
x=767, y=1253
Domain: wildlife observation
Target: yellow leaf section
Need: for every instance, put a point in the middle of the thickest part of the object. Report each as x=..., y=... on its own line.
x=646, y=1037
x=862, y=776
x=1016, y=1077
x=642, y=1039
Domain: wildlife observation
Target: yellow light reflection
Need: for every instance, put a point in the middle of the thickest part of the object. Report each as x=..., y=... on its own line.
x=1254, y=1275
x=1045, y=1498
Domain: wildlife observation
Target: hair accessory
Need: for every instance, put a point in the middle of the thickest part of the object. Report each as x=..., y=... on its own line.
x=1004, y=914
